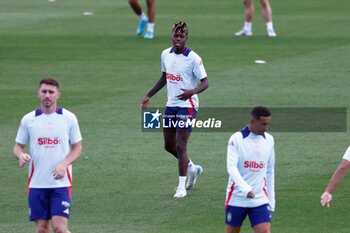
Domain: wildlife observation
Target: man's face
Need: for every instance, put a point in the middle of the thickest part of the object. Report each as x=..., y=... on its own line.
x=259, y=126
x=48, y=95
x=179, y=40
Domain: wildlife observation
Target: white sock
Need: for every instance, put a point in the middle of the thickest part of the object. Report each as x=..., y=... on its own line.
x=182, y=181
x=247, y=26
x=150, y=27
x=269, y=26
x=191, y=167
x=142, y=16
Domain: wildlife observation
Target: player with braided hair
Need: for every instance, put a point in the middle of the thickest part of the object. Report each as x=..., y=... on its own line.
x=181, y=68
x=180, y=27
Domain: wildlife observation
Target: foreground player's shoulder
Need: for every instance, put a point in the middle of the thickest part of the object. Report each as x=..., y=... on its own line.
x=66, y=113
x=32, y=114
x=29, y=117
x=167, y=51
x=269, y=137
x=192, y=54
x=237, y=136
x=196, y=59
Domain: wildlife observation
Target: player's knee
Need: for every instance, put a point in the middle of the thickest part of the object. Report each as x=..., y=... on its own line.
x=180, y=149
x=42, y=230
x=264, y=3
x=247, y=3
x=59, y=229
x=131, y=1
x=169, y=148
x=149, y=3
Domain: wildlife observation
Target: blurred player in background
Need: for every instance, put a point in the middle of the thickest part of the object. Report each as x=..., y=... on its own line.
x=50, y=131
x=181, y=68
x=249, y=12
x=144, y=20
x=336, y=178
x=251, y=183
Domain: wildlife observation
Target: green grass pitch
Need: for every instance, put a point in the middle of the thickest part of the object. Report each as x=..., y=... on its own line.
x=124, y=181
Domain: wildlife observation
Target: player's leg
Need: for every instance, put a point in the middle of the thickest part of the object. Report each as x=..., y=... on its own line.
x=135, y=5
x=151, y=11
x=42, y=225
x=266, y=10
x=39, y=209
x=170, y=140
x=182, y=136
x=260, y=219
x=248, y=12
x=267, y=14
x=169, y=130
x=262, y=227
x=234, y=217
x=59, y=224
x=60, y=205
x=187, y=115
x=231, y=229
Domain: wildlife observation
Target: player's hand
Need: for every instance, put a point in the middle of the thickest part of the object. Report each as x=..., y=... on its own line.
x=60, y=170
x=251, y=194
x=24, y=159
x=145, y=102
x=185, y=95
x=326, y=199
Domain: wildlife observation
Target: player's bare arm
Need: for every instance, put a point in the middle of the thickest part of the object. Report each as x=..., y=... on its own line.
x=60, y=170
x=334, y=182
x=159, y=85
x=18, y=151
x=188, y=93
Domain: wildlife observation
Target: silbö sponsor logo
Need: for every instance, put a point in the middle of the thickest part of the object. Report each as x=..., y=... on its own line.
x=254, y=166
x=49, y=141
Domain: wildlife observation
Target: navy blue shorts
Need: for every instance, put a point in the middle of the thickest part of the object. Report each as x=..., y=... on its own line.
x=179, y=118
x=236, y=215
x=48, y=202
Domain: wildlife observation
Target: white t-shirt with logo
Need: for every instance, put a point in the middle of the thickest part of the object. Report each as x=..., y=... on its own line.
x=182, y=72
x=49, y=136
x=250, y=164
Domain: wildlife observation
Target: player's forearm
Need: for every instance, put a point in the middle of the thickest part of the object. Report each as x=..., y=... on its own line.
x=74, y=154
x=337, y=177
x=239, y=181
x=236, y=175
x=202, y=86
x=159, y=85
x=18, y=150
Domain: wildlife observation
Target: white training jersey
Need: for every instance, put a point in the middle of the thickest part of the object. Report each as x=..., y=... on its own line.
x=250, y=164
x=49, y=136
x=347, y=154
x=182, y=72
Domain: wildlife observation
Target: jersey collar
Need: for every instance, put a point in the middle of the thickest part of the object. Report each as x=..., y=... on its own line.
x=38, y=111
x=185, y=53
x=245, y=132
